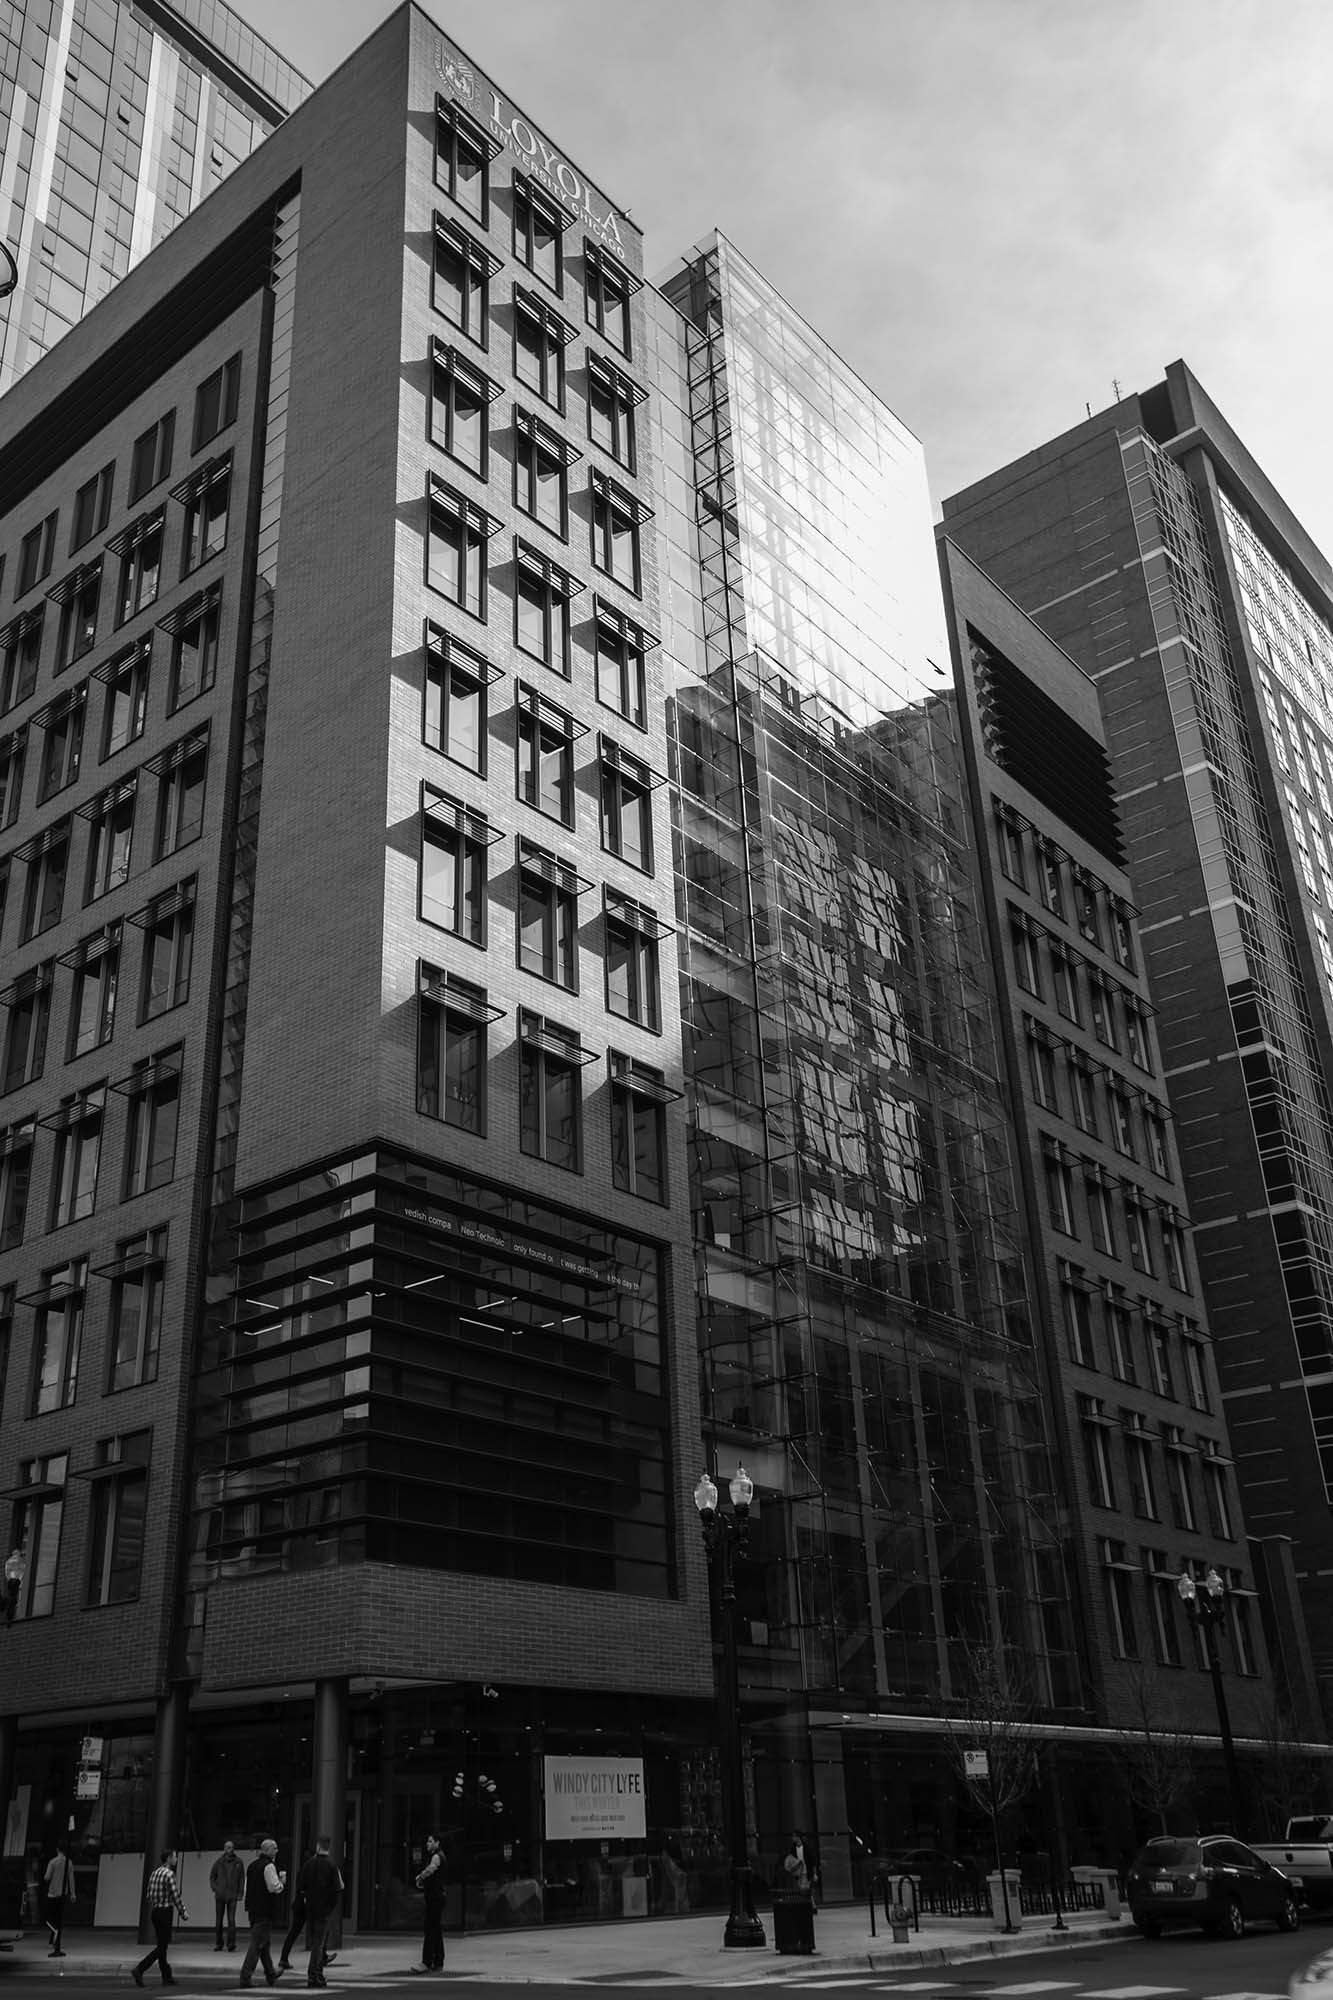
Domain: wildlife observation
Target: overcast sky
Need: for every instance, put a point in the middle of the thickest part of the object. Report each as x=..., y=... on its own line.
x=994, y=209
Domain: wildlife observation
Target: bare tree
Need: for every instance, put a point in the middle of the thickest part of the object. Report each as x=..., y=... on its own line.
x=1287, y=1777
x=1155, y=1754
x=990, y=1738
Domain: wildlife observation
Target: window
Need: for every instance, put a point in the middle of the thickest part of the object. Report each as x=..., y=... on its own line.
x=168, y=941
x=1050, y=884
x=150, y=461
x=462, y=279
x=12, y=750
x=454, y=844
x=1136, y=1034
x=1027, y=956
x=539, y=225
x=59, y=1336
x=1083, y=1094
x=206, y=496
x=1119, y=1336
x=153, y=1089
x=110, y=818
x=180, y=771
x=1173, y=1250
x=550, y=1092
x=545, y=756
x=1085, y=908
x=1101, y=1002
x=1120, y=1574
x=1196, y=1371
x=631, y=933
x=627, y=806
x=548, y=916
x=621, y=647
x=1142, y=1489
x=119, y=1517
x=16, y=1144
x=458, y=532
x=140, y=550
x=1159, y=1353
x=1059, y=1194
x=37, y=553
x=216, y=401
x=1179, y=1485
x=460, y=400
x=126, y=681
x=1219, y=1503
x=541, y=475
x=1122, y=1120
x=540, y=340
x=607, y=290
x=1164, y=1601
x=78, y=598
x=27, y=1011
x=452, y=1018
x=1122, y=934
x=612, y=401
x=78, y=1150
x=1136, y=1230
x=1041, y=1069
x=20, y=651
x=38, y=1514
x=456, y=683
x=1097, y=1450
x=194, y=647
x=1154, y=1132
x=1242, y=1634
x=1009, y=841
x=61, y=724
x=1101, y=1212
x=95, y=963
x=47, y=856
x=543, y=593
x=616, y=519
x=136, y=1309
x=1064, y=977
x=1076, y=1307
x=463, y=155
x=92, y=508
x=639, y=1097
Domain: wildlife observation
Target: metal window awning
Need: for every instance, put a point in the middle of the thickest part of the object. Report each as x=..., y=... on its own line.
x=203, y=476
x=604, y=258
x=451, y=112
x=131, y=1262
x=15, y=1137
x=107, y=801
x=78, y=579
x=454, y=653
x=533, y=702
x=168, y=903
x=640, y=1078
x=478, y=253
x=178, y=753
x=635, y=916
x=460, y=996
x=88, y=1104
x=444, y=810
x=136, y=532
x=534, y=860
x=633, y=767
x=620, y=497
x=545, y=316
x=146, y=1074
x=90, y=949
x=42, y=843
x=530, y=426
x=622, y=624
x=135, y=655
x=457, y=505
x=562, y=217
x=446, y=356
x=536, y=1033
x=616, y=379
x=186, y=614
x=16, y=628
x=40, y=1489
x=26, y=984
x=60, y=706
x=58, y=1287
x=541, y=566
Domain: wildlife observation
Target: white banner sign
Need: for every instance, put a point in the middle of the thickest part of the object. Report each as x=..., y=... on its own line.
x=594, y=1798
x=976, y=1764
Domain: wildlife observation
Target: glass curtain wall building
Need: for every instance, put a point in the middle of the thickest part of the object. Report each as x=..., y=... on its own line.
x=116, y=121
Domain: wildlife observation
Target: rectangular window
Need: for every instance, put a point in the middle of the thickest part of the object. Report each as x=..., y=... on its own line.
x=1059, y=1193
x=78, y=597
x=95, y=964
x=36, y=1530
x=539, y=226
x=1179, y=1485
x=621, y=677
x=1173, y=1249
x=1041, y=1070
x=463, y=155
x=452, y=1018
x=540, y=340
x=616, y=519
x=1064, y=978
x=1076, y=1305
x=612, y=402
x=126, y=707
x=77, y=1156
x=1050, y=883
x=206, y=496
x=1136, y=1034
x=1085, y=907
x=140, y=550
x=632, y=979
x=460, y=401
x=153, y=1089
x=1101, y=1003
x=1242, y=1634
x=1154, y=1133
x=20, y=651
x=1009, y=842
x=1142, y=1487
x=607, y=290
x=454, y=845
x=92, y=507
x=37, y=554
x=1122, y=935
x=61, y=724
x=1027, y=957
x=548, y=916
x=137, y=1278
x=16, y=1144
x=27, y=1011
x=627, y=806
x=110, y=819
x=59, y=1336
x=1219, y=1502
x=1164, y=1602
x=1136, y=1231
x=1119, y=1337
x=550, y=1092
x=542, y=595
x=168, y=945
x=194, y=633
x=1101, y=1213
x=1196, y=1372
x=181, y=772
x=1159, y=1353
x=1097, y=1450
x=1120, y=1603
x=1083, y=1095
x=1122, y=1120
x=216, y=402
x=541, y=475
x=462, y=280
x=47, y=857
x=119, y=1518
x=638, y=1128
x=545, y=756
x=458, y=532
x=150, y=461
x=456, y=684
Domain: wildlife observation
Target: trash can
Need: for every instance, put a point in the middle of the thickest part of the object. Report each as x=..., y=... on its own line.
x=793, y=1921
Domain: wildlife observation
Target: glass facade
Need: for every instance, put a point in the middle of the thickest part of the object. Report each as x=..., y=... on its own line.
x=116, y=122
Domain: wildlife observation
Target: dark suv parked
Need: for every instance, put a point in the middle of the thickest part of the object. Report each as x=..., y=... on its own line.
x=1216, y=1882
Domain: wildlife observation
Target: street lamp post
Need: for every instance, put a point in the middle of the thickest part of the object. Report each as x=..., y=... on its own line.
x=725, y=1535
x=1206, y=1604
x=16, y=1568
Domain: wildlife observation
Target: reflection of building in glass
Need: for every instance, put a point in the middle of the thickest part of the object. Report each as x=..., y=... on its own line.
x=117, y=120
x=1152, y=547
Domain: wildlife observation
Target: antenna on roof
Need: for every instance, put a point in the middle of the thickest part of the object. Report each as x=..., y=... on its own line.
x=1115, y=384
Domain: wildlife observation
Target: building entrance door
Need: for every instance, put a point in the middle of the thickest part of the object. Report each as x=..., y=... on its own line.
x=408, y=1813
x=303, y=1843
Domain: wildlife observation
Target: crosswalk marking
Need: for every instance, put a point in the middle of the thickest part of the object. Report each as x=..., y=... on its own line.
x=1037, y=1986
x=1130, y=1992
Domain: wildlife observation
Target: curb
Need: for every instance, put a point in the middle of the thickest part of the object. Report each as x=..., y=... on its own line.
x=910, y=1958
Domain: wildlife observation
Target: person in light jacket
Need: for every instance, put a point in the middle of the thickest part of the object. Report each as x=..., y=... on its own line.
x=226, y=1878
x=59, y=1884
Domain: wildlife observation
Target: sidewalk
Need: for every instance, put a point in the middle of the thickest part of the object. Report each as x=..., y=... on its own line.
x=684, y=1948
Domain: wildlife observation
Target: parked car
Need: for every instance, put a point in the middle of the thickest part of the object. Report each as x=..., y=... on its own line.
x=1307, y=1852
x=1215, y=1882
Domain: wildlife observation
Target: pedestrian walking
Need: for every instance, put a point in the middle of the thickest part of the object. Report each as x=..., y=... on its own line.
x=319, y=1888
x=59, y=1884
x=264, y=1885
x=226, y=1879
x=164, y=1906
x=431, y=1884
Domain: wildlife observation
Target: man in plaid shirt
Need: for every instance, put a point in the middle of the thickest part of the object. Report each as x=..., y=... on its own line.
x=164, y=1904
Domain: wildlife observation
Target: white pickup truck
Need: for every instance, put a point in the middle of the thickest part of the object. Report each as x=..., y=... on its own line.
x=1306, y=1852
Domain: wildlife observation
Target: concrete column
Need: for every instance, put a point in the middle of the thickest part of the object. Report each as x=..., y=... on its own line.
x=167, y=1796
x=328, y=1783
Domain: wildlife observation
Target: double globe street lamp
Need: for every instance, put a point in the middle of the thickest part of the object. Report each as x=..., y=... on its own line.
x=725, y=1537
x=1206, y=1604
